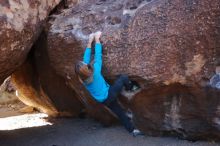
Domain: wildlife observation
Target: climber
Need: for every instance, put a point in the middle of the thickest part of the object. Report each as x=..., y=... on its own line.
x=91, y=77
x=215, y=80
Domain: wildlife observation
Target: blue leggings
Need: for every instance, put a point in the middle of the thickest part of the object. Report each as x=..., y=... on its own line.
x=112, y=103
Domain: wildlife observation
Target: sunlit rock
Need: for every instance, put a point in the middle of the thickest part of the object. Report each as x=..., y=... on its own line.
x=21, y=21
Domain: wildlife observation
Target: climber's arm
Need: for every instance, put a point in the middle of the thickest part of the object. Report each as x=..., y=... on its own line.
x=98, y=54
x=98, y=58
x=87, y=53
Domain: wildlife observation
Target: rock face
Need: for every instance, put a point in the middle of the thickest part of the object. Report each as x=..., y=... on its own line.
x=29, y=90
x=159, y=41
x=21, y=22
x=40, y=87
x=188, y=112
x=7, y=92
x=169, y=47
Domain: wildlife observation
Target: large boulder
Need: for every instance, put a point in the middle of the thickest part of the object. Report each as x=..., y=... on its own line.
x=158, y=41
x=21, y=22
x=187, y=112
x=169, y=47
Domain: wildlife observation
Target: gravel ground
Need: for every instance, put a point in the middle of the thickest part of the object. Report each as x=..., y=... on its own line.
x=86, y=132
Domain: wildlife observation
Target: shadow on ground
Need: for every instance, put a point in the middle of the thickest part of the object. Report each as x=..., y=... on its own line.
x=85, y=132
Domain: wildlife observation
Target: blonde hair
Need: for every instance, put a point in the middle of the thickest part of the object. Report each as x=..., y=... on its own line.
x=84, y=71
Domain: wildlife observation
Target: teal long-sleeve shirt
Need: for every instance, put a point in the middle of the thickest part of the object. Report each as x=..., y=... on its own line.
x=98, y=88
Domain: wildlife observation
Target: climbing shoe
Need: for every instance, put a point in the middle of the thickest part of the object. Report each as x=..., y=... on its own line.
x=137, y=132
x=134, y=88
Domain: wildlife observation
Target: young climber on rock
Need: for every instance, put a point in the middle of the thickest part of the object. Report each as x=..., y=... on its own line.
x=91, y=77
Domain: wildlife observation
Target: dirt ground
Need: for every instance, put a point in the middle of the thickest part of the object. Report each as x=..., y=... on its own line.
x=86, y=132
x=76, y=132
